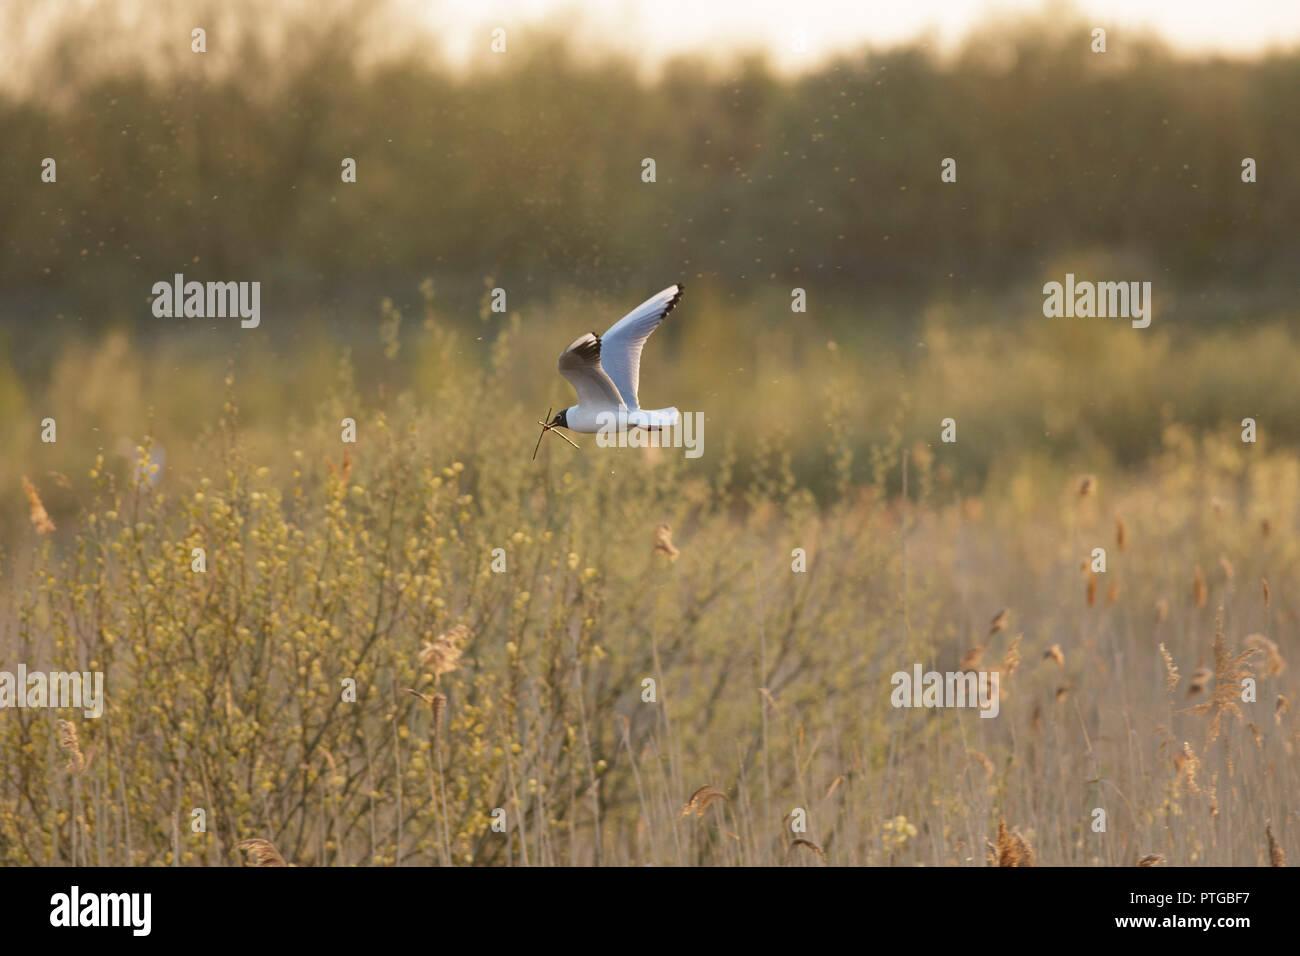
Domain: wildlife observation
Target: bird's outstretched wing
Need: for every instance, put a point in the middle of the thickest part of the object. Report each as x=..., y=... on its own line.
x=621, y=345
x=580, y=364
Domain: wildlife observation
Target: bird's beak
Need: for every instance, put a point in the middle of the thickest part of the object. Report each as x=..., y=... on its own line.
x=549, y=426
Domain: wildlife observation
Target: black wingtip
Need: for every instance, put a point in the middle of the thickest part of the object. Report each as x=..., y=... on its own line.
x=672, y=303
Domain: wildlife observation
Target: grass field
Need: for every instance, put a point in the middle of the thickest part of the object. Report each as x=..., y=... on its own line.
x=342, y=619
x=520, y=696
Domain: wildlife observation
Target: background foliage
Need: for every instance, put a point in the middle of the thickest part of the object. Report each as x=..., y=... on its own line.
x=524, y=173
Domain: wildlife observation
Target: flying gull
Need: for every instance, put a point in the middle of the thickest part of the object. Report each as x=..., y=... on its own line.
x=605, y=371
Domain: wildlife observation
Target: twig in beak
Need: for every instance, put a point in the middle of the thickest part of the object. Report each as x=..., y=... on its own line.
x=565, y=437
x=540, y=434
x=548, y=427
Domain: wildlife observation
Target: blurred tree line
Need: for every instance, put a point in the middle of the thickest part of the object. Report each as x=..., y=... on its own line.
x=528, y=168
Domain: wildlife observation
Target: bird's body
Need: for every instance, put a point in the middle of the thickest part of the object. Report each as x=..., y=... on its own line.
x=605, y=371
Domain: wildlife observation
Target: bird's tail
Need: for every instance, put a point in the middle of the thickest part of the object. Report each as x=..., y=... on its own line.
x=654, y=418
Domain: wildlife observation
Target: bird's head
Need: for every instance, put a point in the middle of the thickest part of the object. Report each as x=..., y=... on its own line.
x=559, y=421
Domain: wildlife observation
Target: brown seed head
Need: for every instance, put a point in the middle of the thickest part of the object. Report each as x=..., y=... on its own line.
x=1171, y=670
x=1011, y=659
x=1273, y=661
x=664, y=542
x=1229, y=671
x=71, y=746
x=36, y=511
x=261, y=853
x=700, y=800
x=442, y=654
x=1276, y=855
x=438, y=705
x=1012, y=849
x=807, y=845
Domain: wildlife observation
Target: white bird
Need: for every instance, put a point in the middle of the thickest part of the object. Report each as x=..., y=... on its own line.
x=606, y=370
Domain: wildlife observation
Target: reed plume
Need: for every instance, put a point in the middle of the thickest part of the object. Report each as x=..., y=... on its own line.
x=40, y=518
x=261, y=853
x=1274, y=664
x=1276, y=855
x=807, y=845
x=1011, y=659
x=71, y=746
x=700, y=800
x=1012, y=849
x=1199, y=593
x=442, y=654
x=1229, y=671
x=998, y=623
x=663, y=542
x=1171, y=670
